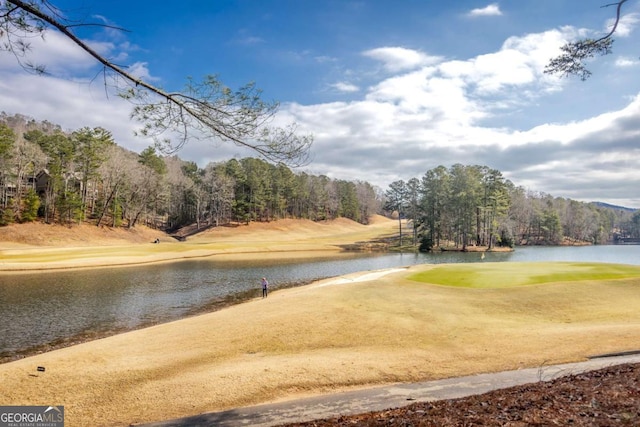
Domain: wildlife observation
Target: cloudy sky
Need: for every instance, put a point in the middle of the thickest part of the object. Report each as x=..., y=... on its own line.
x=388, y=88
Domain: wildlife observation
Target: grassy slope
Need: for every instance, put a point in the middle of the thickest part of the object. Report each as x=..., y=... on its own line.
x=40, y=246
x=333, y=335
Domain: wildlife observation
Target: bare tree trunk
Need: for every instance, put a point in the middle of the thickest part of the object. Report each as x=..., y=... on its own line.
x=105, y=205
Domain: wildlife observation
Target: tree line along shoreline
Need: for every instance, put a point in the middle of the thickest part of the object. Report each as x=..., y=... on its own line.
x=83, y=176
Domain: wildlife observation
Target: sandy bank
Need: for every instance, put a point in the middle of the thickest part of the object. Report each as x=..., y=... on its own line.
x=33, y=247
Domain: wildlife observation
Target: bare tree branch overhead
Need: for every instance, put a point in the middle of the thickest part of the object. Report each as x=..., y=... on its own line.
x=572, y=61
x=203, y=110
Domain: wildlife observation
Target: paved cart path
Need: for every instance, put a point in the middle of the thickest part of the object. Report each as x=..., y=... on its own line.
x=380, y=398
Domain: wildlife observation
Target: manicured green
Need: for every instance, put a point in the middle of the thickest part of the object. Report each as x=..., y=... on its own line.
x=509, y=274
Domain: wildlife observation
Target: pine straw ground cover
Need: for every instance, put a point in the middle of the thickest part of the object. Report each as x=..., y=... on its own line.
x=606, y=397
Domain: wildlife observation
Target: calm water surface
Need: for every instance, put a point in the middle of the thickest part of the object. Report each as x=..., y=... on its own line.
x=54, y=308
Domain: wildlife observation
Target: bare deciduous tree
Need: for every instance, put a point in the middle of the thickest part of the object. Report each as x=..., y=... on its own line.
x=114, y=180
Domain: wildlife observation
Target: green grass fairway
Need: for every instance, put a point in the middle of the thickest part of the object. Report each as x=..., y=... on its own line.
x=509, y=274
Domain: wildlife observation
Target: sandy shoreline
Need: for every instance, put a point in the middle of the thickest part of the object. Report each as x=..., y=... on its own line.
x=214, y=306
x=41, y=247
x=93, y=258
x=361, y=276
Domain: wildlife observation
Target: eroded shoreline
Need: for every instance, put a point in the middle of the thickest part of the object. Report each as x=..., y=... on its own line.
x=212, y=306
x=88, y=336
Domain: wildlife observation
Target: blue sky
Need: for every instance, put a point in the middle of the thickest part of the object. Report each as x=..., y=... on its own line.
x=389, y=89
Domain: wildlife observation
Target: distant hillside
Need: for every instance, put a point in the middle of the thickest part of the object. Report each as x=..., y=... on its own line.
x=609, y=206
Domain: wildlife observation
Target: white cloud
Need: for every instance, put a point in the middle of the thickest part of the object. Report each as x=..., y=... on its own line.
x=72, y=105
x=345, y=87
x=432, y=112
x=141, y=70
x=490, y=10
x=425, y=95
x=56, y=52
x=625, y=26
x=323, y=59
x=397, y=59
x=626, y=61
x=519, y=62
x=465, y=92
x=244, y=37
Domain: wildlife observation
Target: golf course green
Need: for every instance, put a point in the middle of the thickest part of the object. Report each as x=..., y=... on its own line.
x=504, y=275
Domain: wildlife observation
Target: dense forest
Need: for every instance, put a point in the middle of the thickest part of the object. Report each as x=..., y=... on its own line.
x=476, y=205
x=68, y=177
x=50, y=175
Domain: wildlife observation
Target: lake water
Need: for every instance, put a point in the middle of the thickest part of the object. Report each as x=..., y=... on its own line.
x=44, y=310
